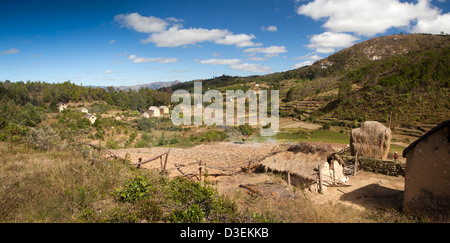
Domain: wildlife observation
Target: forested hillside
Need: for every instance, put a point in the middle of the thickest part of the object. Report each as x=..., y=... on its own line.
x=402, y=78
x=24, y=105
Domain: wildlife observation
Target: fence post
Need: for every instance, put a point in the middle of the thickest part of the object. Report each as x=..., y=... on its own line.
x=320, y=179
x=289, y=177
x=165, y=161
x=355, y=167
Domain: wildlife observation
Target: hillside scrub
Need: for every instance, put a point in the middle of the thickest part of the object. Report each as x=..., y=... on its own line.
x=64, y=186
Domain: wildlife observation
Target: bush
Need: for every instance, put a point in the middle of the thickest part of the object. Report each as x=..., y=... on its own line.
x=111, y=144
x=14, y=133
x=213, y=136
x=192, y=215
x=83, y=123
x=146, y=124
x=246, y=130
x=326, y=126
x=145, y=141
x=135, y=188
x=44, y=138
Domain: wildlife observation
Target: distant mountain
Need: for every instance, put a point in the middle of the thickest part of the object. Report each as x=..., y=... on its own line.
x=154, y=85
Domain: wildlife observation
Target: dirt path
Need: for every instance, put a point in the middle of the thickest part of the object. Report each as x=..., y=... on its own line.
x=366, y=190
x=221, y=155
x=291, y=124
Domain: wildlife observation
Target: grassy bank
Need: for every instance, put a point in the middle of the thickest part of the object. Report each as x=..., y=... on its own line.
x=62, y=186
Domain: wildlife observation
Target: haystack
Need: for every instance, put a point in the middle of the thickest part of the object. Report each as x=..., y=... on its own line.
x=371, y=140
x=302, y=162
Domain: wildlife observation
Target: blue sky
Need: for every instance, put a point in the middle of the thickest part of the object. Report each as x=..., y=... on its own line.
x=135, y=42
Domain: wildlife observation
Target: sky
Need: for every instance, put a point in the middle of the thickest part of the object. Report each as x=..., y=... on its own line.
x=116, y=42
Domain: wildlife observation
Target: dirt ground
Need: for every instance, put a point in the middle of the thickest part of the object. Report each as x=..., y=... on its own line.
x=288, y=123
x=366, y=190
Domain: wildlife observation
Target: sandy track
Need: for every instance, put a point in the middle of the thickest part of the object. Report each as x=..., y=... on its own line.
x=224, y=154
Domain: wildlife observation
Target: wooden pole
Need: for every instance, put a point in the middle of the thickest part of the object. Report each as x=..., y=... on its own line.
x=334, y=169
x=165, y=161
x=355, y=167
x=289, y=177
x=320, y=179
x=139, y=161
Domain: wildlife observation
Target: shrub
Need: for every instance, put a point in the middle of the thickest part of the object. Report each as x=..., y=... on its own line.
x=326, y=126
x=246, y=130
x=192, y=215
x=213, y=136
x=134, y=189
x=144, y=142
x=146, y=124
x=111, y=144
x=44, y=138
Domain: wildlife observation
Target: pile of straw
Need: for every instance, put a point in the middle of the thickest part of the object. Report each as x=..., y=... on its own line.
x=371, y=140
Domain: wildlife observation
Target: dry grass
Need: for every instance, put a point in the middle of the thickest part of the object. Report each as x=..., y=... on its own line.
x=51, y=186
x=300, y=209
x=54, y=186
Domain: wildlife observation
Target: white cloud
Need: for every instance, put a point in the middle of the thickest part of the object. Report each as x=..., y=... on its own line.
x=112, y=41
x=271, y=51
x=157, y=59
x=174, y=36
x=270, y=28
x=170, y=33
x=240, y=40
x=440, y=23
x=328, y=41
x=147, y=59
x=238, y=65
x=109, y=71
x=220, y=61
x=256, y=58
x=372, y=17
x=254, y=68
x=10, y=51
x=141, y=23
x=309, y=60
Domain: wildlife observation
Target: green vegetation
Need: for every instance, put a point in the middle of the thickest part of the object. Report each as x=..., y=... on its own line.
x=63, y=186
x=48, y=175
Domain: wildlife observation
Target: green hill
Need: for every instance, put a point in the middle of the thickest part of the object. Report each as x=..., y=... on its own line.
x=404, y=78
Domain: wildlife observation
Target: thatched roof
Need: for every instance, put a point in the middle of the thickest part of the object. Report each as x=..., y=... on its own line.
x=300, y=159
x=426, y=135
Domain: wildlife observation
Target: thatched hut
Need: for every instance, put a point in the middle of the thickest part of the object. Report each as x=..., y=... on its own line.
x=302, y=161
x=371, y=140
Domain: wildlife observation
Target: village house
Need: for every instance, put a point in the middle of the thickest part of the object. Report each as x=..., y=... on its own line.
x=153, y=111
x=163, y=110
x=84, y=110
x=427, y=179
x=61, y=106
x=146, y=115
x=91, y=118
